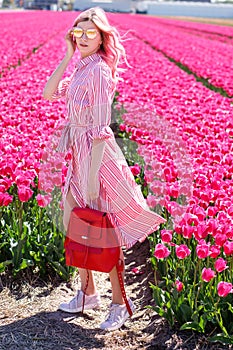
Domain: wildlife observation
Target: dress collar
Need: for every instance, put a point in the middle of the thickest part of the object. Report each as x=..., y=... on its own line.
x=86, y=60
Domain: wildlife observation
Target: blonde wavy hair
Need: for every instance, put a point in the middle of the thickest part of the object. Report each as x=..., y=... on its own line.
x=111, y=49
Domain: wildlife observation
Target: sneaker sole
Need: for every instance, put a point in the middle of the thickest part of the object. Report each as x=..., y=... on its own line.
x=75, y=311
x=114, y=328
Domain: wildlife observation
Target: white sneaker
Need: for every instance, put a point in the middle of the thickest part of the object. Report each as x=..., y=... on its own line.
x=76, y=304
x=117, y=316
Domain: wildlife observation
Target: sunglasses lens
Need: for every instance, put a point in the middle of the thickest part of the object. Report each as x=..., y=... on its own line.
x=91, y=33
x=78, y=32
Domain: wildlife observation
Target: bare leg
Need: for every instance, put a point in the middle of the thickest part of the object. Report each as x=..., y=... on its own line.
x=117, y=297
x=69, y=204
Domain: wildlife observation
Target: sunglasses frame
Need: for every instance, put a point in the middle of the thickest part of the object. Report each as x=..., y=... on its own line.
x=86, y=32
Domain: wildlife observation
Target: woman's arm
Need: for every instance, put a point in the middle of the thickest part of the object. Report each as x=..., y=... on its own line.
x=52, y=83
x=96, y=161
x=100, y=101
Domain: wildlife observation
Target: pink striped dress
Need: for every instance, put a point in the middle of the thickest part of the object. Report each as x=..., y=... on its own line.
x=89, y=94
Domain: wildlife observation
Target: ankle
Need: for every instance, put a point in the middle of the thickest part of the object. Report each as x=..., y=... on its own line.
x=89, y=292
x=119, y=301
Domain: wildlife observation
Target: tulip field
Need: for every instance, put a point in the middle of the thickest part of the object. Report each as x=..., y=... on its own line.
x=176, y=100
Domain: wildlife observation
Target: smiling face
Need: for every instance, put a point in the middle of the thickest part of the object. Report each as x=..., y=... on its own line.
x=88, y=43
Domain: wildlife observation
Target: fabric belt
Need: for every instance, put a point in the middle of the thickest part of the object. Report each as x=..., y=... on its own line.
x=69, y=134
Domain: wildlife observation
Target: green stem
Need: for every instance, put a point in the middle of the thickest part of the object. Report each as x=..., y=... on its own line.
x=197, y=294
x=20, y=219
x=166, y=268
x=155, y=274
x=195, y=280
x=40, y=221
x=219, y=318
x=231, y=270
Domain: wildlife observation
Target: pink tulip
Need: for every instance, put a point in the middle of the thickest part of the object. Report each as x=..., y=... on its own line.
x=5, y=184
x=190, y=219
x=228, y=247
x=229, y=232
x=207, y=274
x=230, y=211
x=57, y=180
x=214, y=251
x=122, y=127
x=179, y=285
x=201, y=231
x=5, y=199
x=161, y=251
x=135, y=169
x=202, y=250
x=166, y=235
x=43, y=201
x=220, y=239
x=224, y=288
x=24, y=193
x=199, y=212
x=157, y=188
x=178, y=228
x=188, y=231
x=182, y=251
x=22, y=180
x=152, y=201
x=173, y=191
x=211, y=211
x=220, y=265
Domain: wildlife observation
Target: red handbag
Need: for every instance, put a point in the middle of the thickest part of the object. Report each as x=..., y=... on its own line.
x=91, y=243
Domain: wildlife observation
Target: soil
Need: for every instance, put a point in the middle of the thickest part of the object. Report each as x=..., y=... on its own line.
x=29, y=318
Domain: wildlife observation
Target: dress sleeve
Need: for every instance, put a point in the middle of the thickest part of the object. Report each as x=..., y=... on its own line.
x=61, y=89
x=100, y=99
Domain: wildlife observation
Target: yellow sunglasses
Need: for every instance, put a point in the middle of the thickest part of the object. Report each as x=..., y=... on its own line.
x=90, y=33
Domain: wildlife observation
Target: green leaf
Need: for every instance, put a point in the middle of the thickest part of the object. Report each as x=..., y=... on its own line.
x=186, y=312
x=26, y=263
x=158, y=295
x=61, y=270
x=3, y=244
x=230, y=308
x=222, y=339
x=190, y=325
x=202, y=323
x=4, y=264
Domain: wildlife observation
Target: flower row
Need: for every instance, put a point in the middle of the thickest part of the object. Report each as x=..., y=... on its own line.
x=214, y=31
x=24, y=32
x=200, y=55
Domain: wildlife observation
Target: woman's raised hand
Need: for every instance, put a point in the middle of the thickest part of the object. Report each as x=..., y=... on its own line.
x=52, y=83
x=71, y=44
x=93, y=188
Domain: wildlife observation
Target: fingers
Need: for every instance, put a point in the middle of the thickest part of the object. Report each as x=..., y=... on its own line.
x=92, y=196
x=93, y=188
x=70, y=42
x=69, y=35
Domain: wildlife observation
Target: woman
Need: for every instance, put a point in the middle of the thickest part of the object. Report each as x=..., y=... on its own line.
x=98, y=171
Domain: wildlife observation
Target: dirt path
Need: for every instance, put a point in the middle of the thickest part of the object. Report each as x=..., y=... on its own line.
x=29, y=318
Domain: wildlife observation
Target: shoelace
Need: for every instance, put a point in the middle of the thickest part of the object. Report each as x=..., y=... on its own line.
x=112, y=313
x=78, y=298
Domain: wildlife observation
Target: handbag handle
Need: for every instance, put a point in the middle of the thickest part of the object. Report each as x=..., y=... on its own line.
x=120, y=267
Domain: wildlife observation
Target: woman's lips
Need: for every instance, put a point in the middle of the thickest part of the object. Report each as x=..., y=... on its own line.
x=83, y=45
